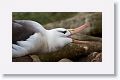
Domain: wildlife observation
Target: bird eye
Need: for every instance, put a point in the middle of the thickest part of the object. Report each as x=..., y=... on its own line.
x=62, y=31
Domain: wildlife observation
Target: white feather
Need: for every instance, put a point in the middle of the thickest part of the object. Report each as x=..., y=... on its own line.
x=42, y=41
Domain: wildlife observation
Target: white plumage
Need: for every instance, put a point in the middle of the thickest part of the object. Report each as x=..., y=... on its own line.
x=29, y=37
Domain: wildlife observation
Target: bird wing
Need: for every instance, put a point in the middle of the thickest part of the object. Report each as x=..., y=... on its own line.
x=23, y=29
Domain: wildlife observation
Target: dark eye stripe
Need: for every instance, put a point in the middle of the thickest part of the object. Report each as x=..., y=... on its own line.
x=62, y=31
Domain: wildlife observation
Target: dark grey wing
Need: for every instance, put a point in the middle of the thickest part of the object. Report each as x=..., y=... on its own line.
x=20, y=31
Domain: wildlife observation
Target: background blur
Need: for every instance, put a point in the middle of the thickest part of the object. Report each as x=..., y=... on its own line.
x=43, y=17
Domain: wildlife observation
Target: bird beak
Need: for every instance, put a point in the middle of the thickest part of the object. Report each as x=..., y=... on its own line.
x=77, y=30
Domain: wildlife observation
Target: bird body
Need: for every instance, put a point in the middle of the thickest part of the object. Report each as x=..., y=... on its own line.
x=30, y=37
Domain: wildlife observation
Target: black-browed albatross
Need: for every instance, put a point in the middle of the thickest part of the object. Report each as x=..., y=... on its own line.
x=30, y=37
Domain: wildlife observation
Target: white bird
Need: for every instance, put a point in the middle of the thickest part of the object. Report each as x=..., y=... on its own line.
x=30, y=37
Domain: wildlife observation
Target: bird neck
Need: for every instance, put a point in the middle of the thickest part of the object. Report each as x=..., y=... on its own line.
x=51, y=39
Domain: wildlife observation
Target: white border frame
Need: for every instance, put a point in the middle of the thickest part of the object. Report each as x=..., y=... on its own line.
x=104, y=6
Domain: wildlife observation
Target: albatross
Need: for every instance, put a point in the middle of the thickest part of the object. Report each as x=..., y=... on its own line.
x=30, y=37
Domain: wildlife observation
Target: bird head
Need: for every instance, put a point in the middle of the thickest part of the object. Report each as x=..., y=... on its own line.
x=59, y=37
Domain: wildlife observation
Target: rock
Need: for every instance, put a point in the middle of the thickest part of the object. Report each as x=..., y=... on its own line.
x=93, y=57
x=97, y=58
x=65, y=60
x=35, y=58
